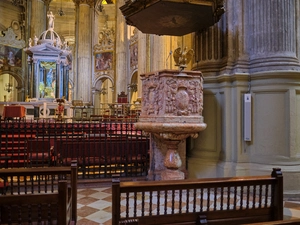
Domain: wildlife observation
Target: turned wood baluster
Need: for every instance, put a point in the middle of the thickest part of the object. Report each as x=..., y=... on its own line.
x=39, y=213
x=248, y=196
x=241, y=197
x=208, y=199
x=266, y=196
x=143, y=203
x=150, y=204
x=158, y=203
x=260, y=195
x=166, y=202
x=127, y=204
x=215, y=198
x=135, y=206
x=228, y=198
x=222, y=198
x=173, y=201
x=235, y=196
x=49, y=213
x=30, y=214
x=19, y=208
x=180, y=200
x=187, y=199
x=32, y=184
x=254, y=196
x=201, y=200
x=194, y=200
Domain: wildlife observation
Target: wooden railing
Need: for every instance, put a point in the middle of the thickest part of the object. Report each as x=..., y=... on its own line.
x=39, y=195
x=233, y=201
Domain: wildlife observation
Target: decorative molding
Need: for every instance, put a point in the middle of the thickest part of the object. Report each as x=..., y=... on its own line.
x=9, y=39
x=105, y=41
x=91, y=3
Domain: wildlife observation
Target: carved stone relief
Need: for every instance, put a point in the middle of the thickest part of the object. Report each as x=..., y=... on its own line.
x=177, y=96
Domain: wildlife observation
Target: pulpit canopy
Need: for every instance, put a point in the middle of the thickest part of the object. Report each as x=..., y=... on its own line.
x=172, y=17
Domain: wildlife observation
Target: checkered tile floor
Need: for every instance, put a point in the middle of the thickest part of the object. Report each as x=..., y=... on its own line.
x=94, y=205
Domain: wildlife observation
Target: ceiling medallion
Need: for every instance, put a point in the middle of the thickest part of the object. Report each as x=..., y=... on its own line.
x=172, y=17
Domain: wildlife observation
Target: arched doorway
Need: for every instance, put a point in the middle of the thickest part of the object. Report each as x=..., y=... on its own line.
x=11, y=87
x=103, y=94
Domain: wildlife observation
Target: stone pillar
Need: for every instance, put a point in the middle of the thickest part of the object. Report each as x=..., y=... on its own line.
x=142, y=60
x=122, y=70
x=34, y=79
x=272, y=37
x=84, y=30
x=38, y=17
x=256, y=52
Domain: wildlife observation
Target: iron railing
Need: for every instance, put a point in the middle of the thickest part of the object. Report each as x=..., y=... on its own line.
x=101, y=148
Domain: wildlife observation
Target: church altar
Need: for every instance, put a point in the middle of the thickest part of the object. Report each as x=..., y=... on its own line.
x=40, y=108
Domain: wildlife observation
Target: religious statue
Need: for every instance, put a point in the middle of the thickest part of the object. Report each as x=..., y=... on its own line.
x=59, y=111
x=51, y=18
x=35, y=39
x=29, y=42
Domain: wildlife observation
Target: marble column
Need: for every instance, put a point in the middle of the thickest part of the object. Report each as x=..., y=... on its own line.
x=84, y=15
x=122, y=70
x=38, y=17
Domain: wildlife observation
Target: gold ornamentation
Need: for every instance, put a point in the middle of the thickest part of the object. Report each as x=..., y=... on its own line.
x=182, y=58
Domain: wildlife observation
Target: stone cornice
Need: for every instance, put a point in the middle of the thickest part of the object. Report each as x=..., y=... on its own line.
x=91, y=3
x=242, y=77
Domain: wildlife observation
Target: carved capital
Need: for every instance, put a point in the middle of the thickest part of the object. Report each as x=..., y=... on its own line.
x=91, y=3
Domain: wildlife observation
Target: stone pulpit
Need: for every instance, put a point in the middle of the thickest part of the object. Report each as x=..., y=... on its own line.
x=172, y=104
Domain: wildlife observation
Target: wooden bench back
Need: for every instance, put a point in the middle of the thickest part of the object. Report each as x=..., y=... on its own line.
x=31, y=208
x=35, y=181
x=217, y=201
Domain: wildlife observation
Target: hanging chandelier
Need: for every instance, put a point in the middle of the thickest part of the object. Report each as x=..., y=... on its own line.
x=172, y=17
x=60, y=11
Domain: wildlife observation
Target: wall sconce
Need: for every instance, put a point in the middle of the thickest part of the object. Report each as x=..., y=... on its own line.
x=8, y=87
x=103, y=91
x=132, y=87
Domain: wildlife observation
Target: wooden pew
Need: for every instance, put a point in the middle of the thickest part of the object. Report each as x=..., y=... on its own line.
x=40, y=195
x=102, y=152
x=278, y=222
x=39, y=152
x=220, y=201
